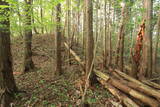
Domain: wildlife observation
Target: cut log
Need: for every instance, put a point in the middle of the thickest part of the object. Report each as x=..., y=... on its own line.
x=122, y=97
x=151, y=91
x=143, y=98
x=152, y=84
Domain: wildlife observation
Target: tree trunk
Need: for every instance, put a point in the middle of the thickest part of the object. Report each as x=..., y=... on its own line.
x=69, y=28
x=28, y=63
x=146, y=70
x=58, y=40
x=33, y=21
x=84, y=30
x=120, y=44
x=20, y=20
x=7, y=82
x=110, y=38
x=156, y=47
x=90, y=41
x=105, y=35
x=41, y=14
x=97, y=21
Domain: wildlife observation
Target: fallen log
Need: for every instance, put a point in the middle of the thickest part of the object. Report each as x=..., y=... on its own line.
x=77, y=58
x=140, y=86
x=134, y=85
x=117, y=84
x=152, y=84
x=122, y=97
x=143, y=98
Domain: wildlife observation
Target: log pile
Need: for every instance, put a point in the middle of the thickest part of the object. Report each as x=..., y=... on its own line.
x=131, y=92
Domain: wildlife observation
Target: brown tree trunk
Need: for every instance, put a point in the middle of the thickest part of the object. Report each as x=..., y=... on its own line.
x=33, y=21
x=28, y=63
x=146, y=70
x=105, y=35
x=84, y=30
x=41, y=14
x=7, y=82
x=110, y=38
x=58, y=40
x=96, y=18
x=90, y=41
x=69, y=28
x=156, y=47
x=89, y=34
x=120, y=45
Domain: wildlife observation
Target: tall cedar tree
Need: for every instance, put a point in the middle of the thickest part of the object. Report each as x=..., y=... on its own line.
x=28, y=63
x=156, y=45
x=7, y=82
x=146, y=70
x=90, y=41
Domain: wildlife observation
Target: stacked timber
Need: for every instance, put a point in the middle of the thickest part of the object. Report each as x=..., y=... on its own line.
x=131, y=92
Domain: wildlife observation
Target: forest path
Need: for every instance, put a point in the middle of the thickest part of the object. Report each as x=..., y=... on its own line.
x=45, y=90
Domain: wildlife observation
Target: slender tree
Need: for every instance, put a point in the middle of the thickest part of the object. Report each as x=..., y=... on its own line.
x=96, y=18
x=41, y=14
x=7, y=82
x=68, y=2
x=90, y=41
x=28, y=63
x=58, y=40
x=146, y=70
x=105, y=34
x=109, y=34
x=84, y=30
x=120, y=44
x=157, y=43
x=89, y=34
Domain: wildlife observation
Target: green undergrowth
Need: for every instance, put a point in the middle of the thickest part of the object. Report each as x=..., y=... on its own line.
x=42, y=88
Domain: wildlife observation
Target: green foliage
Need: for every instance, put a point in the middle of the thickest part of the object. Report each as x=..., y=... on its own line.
x=91, y=100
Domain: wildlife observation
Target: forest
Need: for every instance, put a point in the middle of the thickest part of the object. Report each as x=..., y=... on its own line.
x=79, y=53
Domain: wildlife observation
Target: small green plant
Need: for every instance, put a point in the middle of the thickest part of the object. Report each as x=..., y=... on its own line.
x=91, y=100
x=45, y=102
x=52, y=105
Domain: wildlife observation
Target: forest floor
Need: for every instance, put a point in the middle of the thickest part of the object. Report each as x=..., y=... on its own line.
x=42, y=88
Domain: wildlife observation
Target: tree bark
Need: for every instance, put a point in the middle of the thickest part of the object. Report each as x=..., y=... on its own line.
x=58, y=40
x=156, y=47
x=97, y=21
x=84, y=30
x=7, y=82
x=69, y=28
x=146, y=70
x=120, y=45
x=105, y=35
x=41, y=14
x=28, y=63
x=90, y=42
x=89, y=34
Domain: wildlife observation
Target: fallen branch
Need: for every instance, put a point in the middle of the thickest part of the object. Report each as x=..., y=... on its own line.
x=74, y=54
